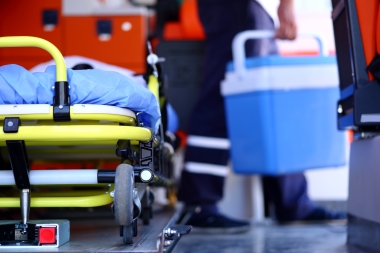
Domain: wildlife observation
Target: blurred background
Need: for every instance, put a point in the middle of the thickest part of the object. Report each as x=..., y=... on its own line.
x=115, y=32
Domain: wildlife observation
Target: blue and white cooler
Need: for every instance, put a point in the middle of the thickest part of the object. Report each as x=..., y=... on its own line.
x=281, y=111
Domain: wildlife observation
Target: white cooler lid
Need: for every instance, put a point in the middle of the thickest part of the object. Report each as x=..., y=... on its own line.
x=276, y=60
x=282, y=73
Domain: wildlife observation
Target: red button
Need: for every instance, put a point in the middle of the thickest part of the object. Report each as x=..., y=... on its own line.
x=47, y=235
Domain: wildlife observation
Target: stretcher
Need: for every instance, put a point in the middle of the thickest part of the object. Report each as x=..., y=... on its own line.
x=145, y=156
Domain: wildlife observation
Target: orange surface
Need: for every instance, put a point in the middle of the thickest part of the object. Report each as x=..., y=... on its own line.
x=182, y=135
x=72, y=35
x=350, y=136
x=378, y=32
x=173, y=31
x=303, y=53
x=124, y=48
x=24, y=17
x=25, y=62
x=367, y=14
x=189, y=26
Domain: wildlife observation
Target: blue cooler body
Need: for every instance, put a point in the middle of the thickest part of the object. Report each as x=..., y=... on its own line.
x=281, y=115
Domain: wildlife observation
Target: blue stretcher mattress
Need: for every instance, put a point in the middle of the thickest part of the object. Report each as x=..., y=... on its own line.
x=92, y=86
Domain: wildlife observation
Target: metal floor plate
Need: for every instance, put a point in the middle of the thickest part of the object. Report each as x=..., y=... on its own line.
x=102, y=235
x=272, y=238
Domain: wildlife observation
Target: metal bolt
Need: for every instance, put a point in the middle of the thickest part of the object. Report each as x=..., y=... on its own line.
x=60, y=107
x=112, y=194
x=170, y=232
x=152, y=59
x=167, y=243
x=53, y=88
x=14, y=106
x=10, y=123
x=146, y=175
x=69, y=86
x=134, y=192
x=340, y=109
x=83, y=105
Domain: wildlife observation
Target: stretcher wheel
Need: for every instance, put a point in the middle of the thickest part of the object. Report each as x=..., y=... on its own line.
x=146, y=215
x=147, y=201
x=135, y=227
x=123, y=198
x=128, y=233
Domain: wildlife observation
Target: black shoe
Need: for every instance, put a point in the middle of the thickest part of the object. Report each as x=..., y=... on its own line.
x=321, y=214
x=318, y=215
x=214, y=223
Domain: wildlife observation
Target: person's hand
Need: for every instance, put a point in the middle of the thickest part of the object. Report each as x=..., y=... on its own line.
x=288, y=26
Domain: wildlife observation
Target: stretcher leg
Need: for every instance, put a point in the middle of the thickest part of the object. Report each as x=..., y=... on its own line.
x=25, y=208
x=20, y=167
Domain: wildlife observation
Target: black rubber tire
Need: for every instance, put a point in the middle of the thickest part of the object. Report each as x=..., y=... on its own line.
x=146, y=215
x=135, y=228
x=123, y=197
x=128, y=234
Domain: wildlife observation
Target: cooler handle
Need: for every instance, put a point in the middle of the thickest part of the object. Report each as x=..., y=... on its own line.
x=238, y=49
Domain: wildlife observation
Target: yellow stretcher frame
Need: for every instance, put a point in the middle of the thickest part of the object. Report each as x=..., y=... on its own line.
x=75, y=135
x=92, y=198
x=66, y=134
x=29, y=41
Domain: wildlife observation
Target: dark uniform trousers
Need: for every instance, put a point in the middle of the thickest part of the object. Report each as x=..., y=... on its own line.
x=207, y=152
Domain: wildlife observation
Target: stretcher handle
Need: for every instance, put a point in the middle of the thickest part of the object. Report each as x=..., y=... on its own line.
x=238, y=49
x=29, y=41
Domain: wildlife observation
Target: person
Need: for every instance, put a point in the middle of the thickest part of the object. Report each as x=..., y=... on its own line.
x=207, y=154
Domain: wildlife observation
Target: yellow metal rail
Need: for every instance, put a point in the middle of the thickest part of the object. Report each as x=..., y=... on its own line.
x=82, y=201
x=76, y=134
x=28, y=41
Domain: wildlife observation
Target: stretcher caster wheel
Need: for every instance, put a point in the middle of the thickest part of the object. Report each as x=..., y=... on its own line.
x=123, y=198
x=147, y=202
x=146, y=215
x=135, y=228
x=128, y=233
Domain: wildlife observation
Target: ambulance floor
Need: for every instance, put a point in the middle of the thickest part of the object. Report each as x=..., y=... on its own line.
x=271, y=238
x=94, y=230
